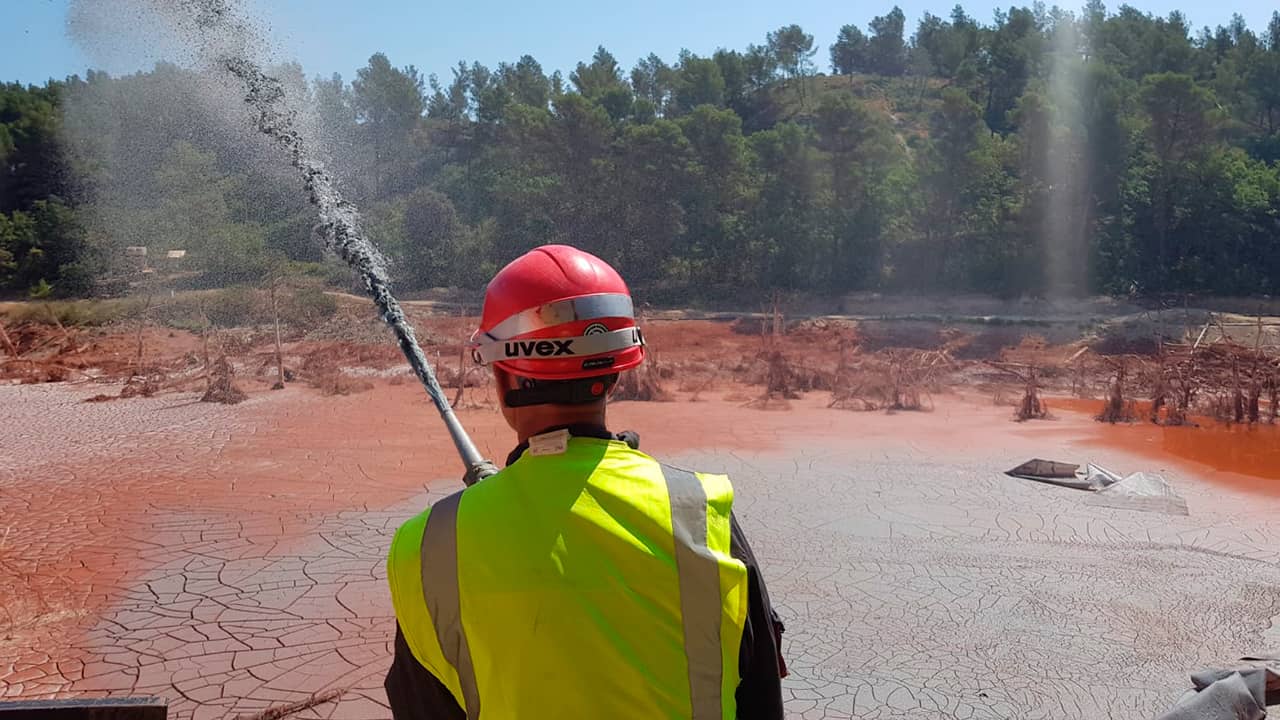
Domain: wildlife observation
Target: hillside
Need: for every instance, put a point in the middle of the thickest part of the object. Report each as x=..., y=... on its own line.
x=1043, y=154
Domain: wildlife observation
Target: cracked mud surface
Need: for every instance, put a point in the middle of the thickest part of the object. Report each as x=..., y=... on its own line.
x=929, y=590
x=230, y=559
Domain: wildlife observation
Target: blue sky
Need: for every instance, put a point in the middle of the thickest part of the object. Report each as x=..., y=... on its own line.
x=329, y=36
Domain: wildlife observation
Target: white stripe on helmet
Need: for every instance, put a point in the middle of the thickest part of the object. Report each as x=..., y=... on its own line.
x=558, y=348
x=587, y=307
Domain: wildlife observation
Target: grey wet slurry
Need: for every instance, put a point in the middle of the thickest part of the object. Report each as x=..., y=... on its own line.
x=232, y=626
x=916, y=587
x=914, y=578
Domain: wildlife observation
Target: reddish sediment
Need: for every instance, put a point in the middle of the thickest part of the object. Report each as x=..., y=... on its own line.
x=89, y=512
x=1240, y=456
x=86, y=514
x=120, y=489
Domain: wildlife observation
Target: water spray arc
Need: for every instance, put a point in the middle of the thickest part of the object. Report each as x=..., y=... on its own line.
x=223, y=41
x=340, y=227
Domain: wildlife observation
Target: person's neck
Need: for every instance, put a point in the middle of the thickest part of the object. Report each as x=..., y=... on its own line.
x=543, y=422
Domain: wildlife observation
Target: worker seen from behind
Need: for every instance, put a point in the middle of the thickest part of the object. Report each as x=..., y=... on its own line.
x=586, y=579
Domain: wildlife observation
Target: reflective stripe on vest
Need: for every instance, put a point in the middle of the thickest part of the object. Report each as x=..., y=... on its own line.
x=440, y=590
x=699, y=590
x=699, y=584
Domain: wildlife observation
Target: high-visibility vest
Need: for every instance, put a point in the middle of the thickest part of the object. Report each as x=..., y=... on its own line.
x=590, y=583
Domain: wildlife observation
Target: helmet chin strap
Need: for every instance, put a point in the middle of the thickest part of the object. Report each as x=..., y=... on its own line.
x=559, y=392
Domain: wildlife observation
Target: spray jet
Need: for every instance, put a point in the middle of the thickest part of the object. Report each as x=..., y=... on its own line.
x=223, y=43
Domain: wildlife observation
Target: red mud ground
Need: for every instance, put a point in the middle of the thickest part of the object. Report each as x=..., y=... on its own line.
x=95, y=496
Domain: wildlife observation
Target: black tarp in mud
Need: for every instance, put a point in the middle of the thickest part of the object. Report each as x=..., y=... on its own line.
x=1092, y=478
x=1051, y=471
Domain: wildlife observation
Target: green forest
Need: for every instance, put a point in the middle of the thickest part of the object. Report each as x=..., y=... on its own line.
x=1043, y=153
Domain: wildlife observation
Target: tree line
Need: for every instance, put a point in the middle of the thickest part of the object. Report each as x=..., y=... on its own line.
x=1046, y=153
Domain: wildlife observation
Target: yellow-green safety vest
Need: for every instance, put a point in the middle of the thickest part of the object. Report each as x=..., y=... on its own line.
x=589, y=583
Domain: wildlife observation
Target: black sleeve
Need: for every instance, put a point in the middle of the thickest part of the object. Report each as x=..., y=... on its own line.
x=760, y=662
x=413, y=692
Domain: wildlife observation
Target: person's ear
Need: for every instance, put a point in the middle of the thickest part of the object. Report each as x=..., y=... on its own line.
x=501, y=383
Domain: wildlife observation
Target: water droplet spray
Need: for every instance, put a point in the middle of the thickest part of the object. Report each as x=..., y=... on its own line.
x=224, y=40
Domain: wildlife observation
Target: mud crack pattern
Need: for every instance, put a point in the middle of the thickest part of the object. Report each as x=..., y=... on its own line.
x=916, y=589
x=232, y=563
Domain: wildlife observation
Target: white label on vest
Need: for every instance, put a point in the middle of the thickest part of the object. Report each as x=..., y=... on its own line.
x=552, y=443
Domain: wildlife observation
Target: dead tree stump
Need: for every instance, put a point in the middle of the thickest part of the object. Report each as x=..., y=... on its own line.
x=221, y=388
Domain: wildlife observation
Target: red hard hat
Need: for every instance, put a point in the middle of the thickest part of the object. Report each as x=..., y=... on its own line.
x=558, y=313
